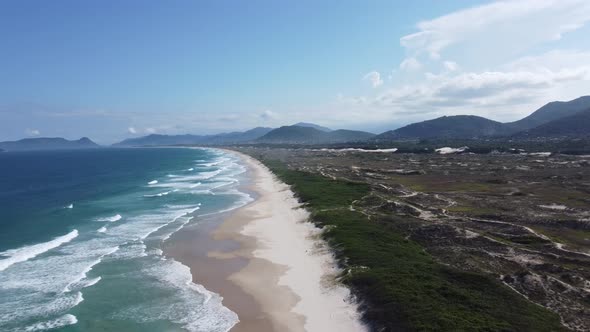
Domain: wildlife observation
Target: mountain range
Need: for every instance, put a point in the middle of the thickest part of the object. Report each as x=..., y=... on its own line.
x=550, y=112
x=312, y=125
x=47, y=143
x=471, y=127
x=297, y=134
x=573, y=126
x=458, y=126
x=225, y=138
x=557, y=119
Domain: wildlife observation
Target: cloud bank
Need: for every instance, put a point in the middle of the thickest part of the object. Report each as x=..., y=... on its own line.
x=502, y=59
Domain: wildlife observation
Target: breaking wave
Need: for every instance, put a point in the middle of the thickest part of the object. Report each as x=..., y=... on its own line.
x=25, y=253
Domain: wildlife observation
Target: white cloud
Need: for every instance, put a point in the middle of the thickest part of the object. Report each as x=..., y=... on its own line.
x=374, y=77
x=150, y=130
x=552, y=60
x=32, y=132
x=132, y=130
x=486, y=89
x=268, y=115
x=499, y=76
x=410, y=64
x=450, y=65
x=501, y=26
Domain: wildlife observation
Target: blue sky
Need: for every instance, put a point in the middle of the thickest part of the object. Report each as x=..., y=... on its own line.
x=116, y=69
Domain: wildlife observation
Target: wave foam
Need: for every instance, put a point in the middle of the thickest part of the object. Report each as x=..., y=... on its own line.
x=62, y=321
x=82, y=283
x=114, y=218
x=52, y=284
x=161, y=194
x=153, y=182
x=185, y=221
x=25, y=253
x=179, y=307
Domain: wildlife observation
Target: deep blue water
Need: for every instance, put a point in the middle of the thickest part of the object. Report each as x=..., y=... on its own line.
x=81, y=232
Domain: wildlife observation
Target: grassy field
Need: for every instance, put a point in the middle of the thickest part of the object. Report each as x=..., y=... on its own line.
x=400, y=285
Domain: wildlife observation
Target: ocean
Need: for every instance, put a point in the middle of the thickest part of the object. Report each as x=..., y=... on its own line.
x=81, y=236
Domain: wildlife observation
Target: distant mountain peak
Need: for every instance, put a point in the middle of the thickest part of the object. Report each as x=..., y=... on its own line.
x=573, y=126
x=296, y=134
x=187, y=139
x=312, y=125
x=549, y=112
x=48, y=143
x=454, y=126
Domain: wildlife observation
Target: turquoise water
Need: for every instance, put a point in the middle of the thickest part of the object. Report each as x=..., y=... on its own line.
x=81, y=235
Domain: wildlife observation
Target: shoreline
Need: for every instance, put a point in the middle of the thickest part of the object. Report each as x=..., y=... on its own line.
x=268, y=263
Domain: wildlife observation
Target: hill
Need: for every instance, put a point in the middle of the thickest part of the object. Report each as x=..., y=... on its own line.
x=458, y=126
x=310, y=135
x=293, y=135
x=550, y=112
x=237, y=137
x=48, y=143
x=345, y=135
x=157, y=139
x=225, y=138
x=573, y=126
x=312, y=125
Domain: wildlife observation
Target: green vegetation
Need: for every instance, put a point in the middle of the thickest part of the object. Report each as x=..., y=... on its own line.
x=432, y=184
x=469, y=187
x=402, y=287
x=309, y=135
x=577, y=239
x=457, y=126
x=531, y=242
x=473, y=210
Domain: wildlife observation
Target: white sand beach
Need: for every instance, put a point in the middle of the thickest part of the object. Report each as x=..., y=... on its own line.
x=290, y=272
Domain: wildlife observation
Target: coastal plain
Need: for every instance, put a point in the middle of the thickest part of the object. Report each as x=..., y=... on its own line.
x=452, y=242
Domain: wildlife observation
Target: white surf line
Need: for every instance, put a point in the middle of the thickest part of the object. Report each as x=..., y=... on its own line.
x=84, y=274
x=28, y=252
x=114, y=218
x=59, y=322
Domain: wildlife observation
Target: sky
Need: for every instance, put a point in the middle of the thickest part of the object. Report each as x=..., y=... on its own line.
x=111, y=70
